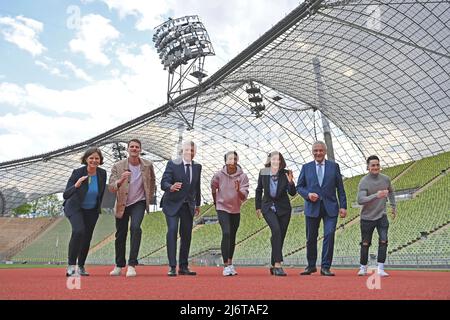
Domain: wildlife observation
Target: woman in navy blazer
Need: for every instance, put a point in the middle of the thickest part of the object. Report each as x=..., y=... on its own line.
x=276, y=182
x=82, y=204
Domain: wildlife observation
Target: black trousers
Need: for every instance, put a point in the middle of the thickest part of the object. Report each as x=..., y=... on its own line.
x=136, y=213
x=83, y=225
x=184, y=219
x=278, y=225
x=367, y=228
x=229, y=222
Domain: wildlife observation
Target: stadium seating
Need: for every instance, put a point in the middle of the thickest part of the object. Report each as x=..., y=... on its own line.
x=423, y=171
x=52, y=246
x=16, y=233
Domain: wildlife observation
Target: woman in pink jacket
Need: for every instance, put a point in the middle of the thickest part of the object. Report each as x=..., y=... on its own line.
x=229, y=188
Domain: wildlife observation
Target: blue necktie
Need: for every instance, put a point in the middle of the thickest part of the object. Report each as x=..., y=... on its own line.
x=320, y=174
x=188, y=173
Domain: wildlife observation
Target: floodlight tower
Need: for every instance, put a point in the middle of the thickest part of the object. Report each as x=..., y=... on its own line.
x=183, y=44
x=118, y=151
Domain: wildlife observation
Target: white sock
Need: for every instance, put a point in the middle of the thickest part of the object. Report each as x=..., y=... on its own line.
x=363, y=267
x=380, y=266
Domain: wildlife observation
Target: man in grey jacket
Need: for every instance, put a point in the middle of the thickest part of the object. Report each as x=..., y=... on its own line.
x=373, y=191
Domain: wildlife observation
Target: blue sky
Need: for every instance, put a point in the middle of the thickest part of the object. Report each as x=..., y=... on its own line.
x=72, y=69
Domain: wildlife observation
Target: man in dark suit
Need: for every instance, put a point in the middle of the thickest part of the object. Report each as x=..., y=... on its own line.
x=181, y=200
x=317, y=184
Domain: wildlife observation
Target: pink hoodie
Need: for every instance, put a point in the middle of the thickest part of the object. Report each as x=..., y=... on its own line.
x=227, y=198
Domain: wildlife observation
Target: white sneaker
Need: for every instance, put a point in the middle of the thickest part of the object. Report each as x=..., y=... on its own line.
x=227, y=271
x=233, y=270
x=382, y=273
x=131, y=271
x=362, y=271
x=116, y=271
x=72, y=271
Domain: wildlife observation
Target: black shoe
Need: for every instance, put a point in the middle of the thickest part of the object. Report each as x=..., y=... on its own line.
x=279, y=272
x=186, y=272
x=271, y=271
x=308, y=271
x=82, y=272
x=326, y=272
x=172, y=272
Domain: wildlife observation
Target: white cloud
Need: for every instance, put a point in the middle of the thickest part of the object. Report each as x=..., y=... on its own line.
x=34, y=136
x=11, y=94
x=79, y=73
x=148, y=13
x=125, y=96
x=115, y=73
x=105, y=104
x=23, y=32
x=138, y=63
x=53, y=70
x=91, y=39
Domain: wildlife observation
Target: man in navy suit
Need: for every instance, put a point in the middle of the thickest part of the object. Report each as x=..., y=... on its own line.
x=317, y=184
x=181, y=200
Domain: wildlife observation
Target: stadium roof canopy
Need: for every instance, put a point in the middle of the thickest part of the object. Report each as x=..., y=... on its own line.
x=378, y=71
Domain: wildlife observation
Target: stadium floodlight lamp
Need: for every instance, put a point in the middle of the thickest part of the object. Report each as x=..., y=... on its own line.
x=179, y=40
x=276, y=98
x=118, y=151
x=255, y=97
x=182, y=45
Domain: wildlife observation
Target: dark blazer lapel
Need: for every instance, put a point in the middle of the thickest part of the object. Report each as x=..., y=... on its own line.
x=314, y=171
x=85, y=185
x=100, y=179
x=194, y=173
x=178, y=169
x=280, y=182
x=267, y=182
x=326, y=171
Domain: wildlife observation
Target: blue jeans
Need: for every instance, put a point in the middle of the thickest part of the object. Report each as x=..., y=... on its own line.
x=367, y=228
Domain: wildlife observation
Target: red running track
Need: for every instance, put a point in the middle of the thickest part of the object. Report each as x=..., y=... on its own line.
x=252, y=283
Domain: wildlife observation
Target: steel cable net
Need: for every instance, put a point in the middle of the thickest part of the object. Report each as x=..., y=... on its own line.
x=378, y=71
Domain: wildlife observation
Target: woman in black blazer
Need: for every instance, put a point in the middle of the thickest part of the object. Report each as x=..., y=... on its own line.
x=82, y=204
x=276, y=182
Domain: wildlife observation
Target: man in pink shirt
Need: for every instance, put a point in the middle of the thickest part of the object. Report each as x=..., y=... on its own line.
x=229, y=188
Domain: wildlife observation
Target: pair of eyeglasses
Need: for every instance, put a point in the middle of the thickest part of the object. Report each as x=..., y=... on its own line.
x=275, y=177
